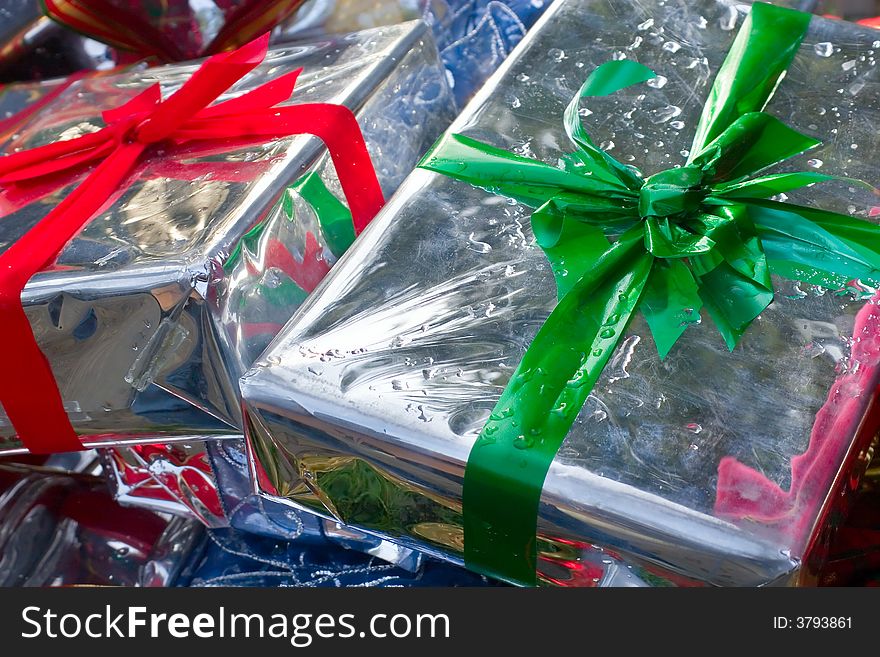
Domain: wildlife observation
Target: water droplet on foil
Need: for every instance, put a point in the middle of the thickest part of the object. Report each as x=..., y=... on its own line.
x=824, y=49
x=664, y=114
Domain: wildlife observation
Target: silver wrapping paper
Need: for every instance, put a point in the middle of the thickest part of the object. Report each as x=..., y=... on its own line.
x=65, y=530
x=142, y=316
x=366, y=407
x=474, y=36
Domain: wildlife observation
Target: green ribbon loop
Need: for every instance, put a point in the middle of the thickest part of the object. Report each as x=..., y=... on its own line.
x=702, y=236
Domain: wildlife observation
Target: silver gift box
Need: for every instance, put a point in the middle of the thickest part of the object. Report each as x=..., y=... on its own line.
x=142, y=317
x=366, y=407
x=473, y=36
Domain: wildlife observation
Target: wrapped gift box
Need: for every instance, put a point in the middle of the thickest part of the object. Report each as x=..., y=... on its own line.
x=169, y=477
x=474, y=37
x=707, y=467
x=171, y=30
x=66, y=530
x=152, y=312
x=235, y=558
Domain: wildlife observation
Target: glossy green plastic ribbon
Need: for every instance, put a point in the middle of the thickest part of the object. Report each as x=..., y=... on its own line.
x=703, y=235
x=334, y=219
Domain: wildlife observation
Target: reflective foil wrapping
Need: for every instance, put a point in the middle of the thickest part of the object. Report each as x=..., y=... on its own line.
x=153, y=311
x=246, y=511
x=234, y=558
x=172, y=477
x=708, y=467
x=65, y=530
x=277, y=263
x=473, y=36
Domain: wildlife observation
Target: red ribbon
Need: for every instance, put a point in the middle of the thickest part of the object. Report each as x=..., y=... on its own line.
x=844, y=421
x=28, y=390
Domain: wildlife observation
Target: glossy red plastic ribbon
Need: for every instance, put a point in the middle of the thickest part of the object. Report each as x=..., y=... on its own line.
x=28, y=390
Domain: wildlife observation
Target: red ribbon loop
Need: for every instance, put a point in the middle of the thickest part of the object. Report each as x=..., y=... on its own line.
x=28, y=389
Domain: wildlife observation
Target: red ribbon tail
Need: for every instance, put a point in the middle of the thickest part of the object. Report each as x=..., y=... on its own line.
x=211, y=79
x=28, y=389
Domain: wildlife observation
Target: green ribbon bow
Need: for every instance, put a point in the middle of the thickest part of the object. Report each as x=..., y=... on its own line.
x=703, y=235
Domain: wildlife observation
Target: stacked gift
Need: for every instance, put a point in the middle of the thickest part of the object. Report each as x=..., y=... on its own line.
x=189, y=253
x=234, y=558
x=278, y=256
x=473, y=36
x=628, y=309
x=476, y=36
x=171, y=30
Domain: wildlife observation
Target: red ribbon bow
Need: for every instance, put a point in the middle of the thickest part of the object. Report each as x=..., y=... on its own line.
x=28, y=390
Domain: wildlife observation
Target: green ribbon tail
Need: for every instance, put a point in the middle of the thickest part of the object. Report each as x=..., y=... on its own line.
x=816, y=246
x=671, y=303
x=760, y=55
x=527, y=180
x=605, y=80
x=333, y=215
x=508, y=463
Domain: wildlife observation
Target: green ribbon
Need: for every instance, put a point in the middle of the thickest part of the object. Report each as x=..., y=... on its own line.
x=334, y=219
x=333, y=215
x=700, y=236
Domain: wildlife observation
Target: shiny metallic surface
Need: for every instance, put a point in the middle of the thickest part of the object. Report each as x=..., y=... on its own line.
x=366, y=406
x=172, y=553
x=473, y=36
x=234, y=558
x=246, y=511
x=66, y=530
x=146, y=294
x=170, y=478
